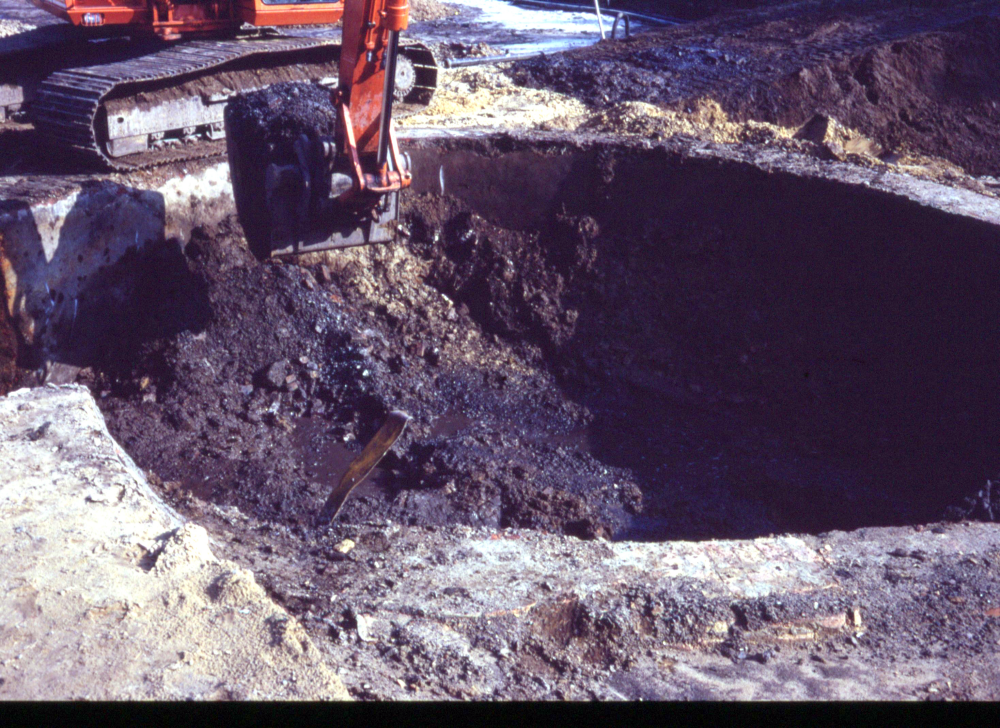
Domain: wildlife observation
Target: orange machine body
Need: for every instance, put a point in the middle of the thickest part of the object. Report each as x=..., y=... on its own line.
x=172, y=19
x=366, y=25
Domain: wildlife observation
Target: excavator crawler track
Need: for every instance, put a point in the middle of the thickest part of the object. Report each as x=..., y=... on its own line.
x=167, y=106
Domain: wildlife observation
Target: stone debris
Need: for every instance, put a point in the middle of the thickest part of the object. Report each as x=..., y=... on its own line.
x=836, y=139
x=855, y=618
x=276, y=374
x=344, y=547
x=480, y=97
x=13, y=27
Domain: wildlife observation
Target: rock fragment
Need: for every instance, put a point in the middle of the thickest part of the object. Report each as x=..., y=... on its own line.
x=275, y=374
x=835, y=139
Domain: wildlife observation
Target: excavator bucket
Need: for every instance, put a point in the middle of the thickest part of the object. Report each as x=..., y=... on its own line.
x=343, y=228
x=288, y=198
x=314, y=169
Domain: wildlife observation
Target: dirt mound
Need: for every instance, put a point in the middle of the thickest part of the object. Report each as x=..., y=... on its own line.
x=934, y=93
x=704, y=120
x=223, y=410
x=220, y=391
x=924, y=82
x=596, y=82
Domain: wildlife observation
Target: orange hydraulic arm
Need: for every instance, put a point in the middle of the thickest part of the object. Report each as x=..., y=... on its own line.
x=369, y=48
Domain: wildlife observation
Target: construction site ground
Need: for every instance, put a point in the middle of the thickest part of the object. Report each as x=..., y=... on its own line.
x=694, y=329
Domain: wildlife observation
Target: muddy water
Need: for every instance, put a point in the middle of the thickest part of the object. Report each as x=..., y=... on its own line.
x=521, y=18
x=326, y=456
x=326, y=453
x=450, y=424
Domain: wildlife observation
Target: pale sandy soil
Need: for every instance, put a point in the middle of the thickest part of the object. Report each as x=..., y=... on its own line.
x=485, y=97
x=108, y=594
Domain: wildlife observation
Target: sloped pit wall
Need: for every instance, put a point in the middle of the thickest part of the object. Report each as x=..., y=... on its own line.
x=826, y=333
x=8, y=348
x=57, y=234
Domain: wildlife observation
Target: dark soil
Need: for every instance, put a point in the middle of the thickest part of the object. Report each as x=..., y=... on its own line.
x=678, y=372
x=275, y=370
x=923, y=81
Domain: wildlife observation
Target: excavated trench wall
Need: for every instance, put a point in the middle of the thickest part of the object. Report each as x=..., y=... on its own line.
x=58, y=233
x=825, y=333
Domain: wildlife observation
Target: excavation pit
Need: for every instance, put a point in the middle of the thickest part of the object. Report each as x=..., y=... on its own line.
x=601, y=339
x=662, y=345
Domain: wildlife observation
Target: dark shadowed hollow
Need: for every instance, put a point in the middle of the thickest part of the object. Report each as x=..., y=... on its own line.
x=600, y=339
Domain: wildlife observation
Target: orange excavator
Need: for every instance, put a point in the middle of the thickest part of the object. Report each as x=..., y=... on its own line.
x=172, y=20
x=135, y=83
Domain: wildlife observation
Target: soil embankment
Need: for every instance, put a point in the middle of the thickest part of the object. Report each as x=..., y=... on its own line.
x=921, y=82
